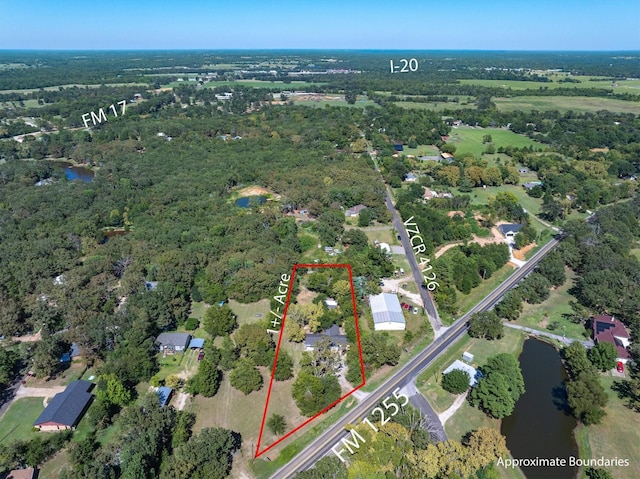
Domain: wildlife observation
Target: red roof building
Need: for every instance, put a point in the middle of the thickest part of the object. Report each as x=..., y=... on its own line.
x=609, y=330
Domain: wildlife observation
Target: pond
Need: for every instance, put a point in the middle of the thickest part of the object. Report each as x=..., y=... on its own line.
x=247, y=201
x=74, y=172
x=540, y=427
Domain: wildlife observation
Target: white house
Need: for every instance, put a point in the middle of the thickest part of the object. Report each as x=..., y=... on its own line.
x=457, y=364
x=387, y=312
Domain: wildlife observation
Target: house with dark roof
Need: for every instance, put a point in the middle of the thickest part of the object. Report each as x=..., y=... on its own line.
x=333, y=333
x=398, y=147
x=164, y=395
x=355, y=211
x=171, y=343
x=387, y=312
x=607, y=329
x=66, y=409
x=509, y=230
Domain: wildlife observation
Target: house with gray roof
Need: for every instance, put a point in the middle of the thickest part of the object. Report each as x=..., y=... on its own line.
x=171, y=343
x=355, y=211
x=387, y=312
x=509, y=230
x=66, y=409
x=333, y=333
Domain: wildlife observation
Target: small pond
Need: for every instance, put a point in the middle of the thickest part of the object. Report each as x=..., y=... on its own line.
x=74, y=172
x=247, y=201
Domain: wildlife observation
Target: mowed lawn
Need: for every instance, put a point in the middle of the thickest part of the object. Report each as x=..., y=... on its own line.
x=618, y=435
x=17, y=422
x=429, y=381
x=251, y=312
x=555, y=308
x=480, y=196
x=468, y=139
x=564, y=103
x=232, y=409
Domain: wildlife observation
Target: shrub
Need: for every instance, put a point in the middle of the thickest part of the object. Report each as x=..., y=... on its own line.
x=456, y=381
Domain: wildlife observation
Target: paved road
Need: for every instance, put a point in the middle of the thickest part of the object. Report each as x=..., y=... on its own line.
x=427, y=300
x=537, y=332
x=405, y=375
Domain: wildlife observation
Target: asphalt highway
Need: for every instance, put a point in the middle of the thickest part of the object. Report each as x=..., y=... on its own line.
x=405, y=374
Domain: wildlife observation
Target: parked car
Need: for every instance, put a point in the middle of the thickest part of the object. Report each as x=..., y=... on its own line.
x=201, y=355
x=620, y=367
x=415, y=310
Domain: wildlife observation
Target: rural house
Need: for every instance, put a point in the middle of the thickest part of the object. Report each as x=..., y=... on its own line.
x=509, y=230
x=171, y=343
x=66, y=409
x=355, y=211
x=387, y=312
x=333, y=333
x=473, y=373
x=607, y=329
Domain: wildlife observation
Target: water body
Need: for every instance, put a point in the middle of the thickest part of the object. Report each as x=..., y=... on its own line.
x=540, y=426
x=249, y=200
x=74, y=172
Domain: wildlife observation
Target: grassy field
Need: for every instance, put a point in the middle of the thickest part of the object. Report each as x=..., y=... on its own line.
x=250, y=312
x=177, y=364
x=555, y=308
x=382, y=235
x=16, y=424
x=434, y=106
x=629, y=86
x=468, y=139
x=54, y=466
x=617, y=435
x=361, y=103
x=55, y=88
x=259, y=84
x=480, y=196
x=564, y=103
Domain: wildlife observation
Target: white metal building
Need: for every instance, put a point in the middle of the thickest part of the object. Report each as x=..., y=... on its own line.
x=387, y=312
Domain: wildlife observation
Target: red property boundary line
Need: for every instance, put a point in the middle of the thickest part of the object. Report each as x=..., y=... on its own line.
x=275, y=360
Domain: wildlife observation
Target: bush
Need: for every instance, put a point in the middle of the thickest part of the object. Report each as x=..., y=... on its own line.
x=456, y=381
x=191, y=324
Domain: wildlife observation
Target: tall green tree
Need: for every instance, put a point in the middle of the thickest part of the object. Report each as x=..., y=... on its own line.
x=245, y=377
x=219, y=321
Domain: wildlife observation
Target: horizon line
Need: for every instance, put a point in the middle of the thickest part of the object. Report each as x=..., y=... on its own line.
x=637, y=50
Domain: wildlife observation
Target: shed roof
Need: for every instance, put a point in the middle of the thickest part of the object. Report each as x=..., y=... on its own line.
x=164, y=395
x=66, y=408
x=385, y=308
x=196, y=343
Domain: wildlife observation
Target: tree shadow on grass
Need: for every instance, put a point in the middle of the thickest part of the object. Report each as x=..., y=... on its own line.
x=626, y=392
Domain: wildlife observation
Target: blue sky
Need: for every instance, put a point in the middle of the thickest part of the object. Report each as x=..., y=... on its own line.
x=350, y=24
